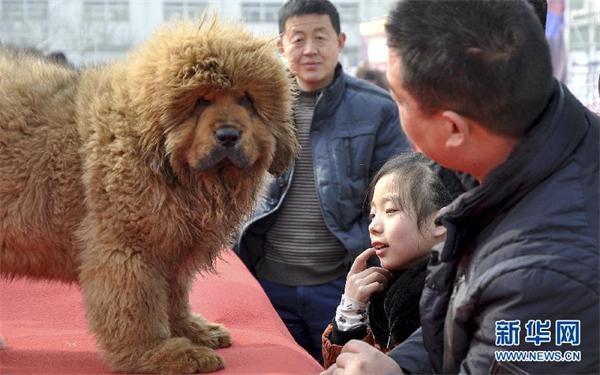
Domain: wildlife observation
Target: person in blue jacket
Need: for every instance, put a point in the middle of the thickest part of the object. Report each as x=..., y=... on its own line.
x=313, y=220
x=515, y=288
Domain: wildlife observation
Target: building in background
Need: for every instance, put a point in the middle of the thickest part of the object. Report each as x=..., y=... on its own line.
x=373, y=43
x=582, y=33
x=94, y=31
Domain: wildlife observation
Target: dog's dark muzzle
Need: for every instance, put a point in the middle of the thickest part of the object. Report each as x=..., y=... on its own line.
x=228, y=149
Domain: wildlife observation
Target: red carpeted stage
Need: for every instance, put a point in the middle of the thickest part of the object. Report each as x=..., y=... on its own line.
x=45, y=331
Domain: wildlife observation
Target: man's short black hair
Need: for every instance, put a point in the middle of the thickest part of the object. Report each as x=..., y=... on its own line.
x=485, y=59
x=303, y=7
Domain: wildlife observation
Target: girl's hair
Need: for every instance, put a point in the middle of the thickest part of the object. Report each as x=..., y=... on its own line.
x=420, y=191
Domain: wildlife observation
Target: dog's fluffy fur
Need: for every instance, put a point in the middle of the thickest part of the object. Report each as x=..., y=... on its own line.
x=129, y=178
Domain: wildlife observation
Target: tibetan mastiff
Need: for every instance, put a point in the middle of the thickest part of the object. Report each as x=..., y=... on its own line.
x=129, y=178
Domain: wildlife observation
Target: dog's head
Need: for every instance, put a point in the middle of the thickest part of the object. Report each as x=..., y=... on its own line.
x=211, y=96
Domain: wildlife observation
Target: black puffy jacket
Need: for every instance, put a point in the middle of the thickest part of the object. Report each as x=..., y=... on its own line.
x=521, y=250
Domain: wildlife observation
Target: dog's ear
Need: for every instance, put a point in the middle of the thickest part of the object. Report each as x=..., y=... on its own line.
x=286, y=150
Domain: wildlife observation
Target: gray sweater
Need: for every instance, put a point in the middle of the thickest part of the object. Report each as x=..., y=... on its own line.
x=299, y=249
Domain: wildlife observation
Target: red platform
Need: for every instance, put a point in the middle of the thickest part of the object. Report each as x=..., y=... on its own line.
x=45, y=331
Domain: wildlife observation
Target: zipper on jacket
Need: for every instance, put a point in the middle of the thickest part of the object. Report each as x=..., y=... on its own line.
x=392, y=325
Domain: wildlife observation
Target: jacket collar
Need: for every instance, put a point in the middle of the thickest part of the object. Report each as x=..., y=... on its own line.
x=331, y=96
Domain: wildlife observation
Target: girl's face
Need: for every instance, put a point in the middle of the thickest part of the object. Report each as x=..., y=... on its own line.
x=393, y=229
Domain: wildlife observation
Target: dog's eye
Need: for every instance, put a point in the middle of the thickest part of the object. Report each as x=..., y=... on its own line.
x=202, y=103
x=246, y=102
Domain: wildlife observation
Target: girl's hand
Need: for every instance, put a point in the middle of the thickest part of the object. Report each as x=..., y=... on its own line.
x=362, y=282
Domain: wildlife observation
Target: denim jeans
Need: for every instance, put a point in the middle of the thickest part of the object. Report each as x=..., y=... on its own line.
x=306, y=310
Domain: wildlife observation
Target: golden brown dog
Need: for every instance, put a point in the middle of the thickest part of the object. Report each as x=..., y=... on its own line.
x=129, y=178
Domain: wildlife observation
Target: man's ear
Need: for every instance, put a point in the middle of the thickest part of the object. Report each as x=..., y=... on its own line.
x=458, y=129
x=342, y=40
x=280, y=44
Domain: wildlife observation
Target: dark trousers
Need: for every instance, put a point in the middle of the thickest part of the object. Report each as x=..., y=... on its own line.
x=306, y=310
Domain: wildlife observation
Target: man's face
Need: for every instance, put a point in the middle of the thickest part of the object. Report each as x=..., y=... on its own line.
x=311, y=48
x=419, y=127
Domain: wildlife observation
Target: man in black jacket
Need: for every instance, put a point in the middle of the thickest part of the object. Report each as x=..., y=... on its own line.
x=515, y=288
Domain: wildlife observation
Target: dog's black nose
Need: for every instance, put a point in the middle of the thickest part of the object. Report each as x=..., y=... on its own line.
x=227, y=136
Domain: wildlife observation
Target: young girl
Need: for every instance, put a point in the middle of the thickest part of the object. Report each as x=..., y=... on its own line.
x=380, y=305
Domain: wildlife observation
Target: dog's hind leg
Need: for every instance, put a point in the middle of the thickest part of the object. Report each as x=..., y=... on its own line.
x=184, y=323
x=126, y=300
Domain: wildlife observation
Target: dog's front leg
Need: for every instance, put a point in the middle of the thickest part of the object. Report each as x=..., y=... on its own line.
x=127, y=300
x=185, y=323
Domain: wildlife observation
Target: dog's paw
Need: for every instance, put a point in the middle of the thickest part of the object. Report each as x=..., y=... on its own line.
x=219, y=334
x=210, y=334
x=176, y=356
x=204, y=333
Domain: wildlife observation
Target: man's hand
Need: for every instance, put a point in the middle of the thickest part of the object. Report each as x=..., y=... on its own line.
x=359, y=358
x=361, y=281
